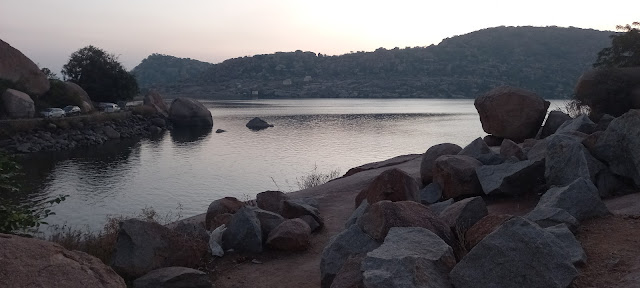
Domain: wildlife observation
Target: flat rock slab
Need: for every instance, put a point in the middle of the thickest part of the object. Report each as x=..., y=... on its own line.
x=173, y=277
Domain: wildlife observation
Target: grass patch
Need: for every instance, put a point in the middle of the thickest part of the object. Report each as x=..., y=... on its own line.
x=316, y=178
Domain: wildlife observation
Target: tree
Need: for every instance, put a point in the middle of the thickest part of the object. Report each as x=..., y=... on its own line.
x=100, y=74
x=50, y=75
x=624, y=50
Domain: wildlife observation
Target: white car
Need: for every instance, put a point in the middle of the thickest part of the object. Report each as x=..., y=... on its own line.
x=109, y=107
x=71, y=110
x=52, y=113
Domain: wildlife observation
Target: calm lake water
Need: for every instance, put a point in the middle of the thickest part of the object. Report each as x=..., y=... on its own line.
x=121, y=178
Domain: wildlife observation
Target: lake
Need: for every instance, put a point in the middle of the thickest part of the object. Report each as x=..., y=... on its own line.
x=190, y=171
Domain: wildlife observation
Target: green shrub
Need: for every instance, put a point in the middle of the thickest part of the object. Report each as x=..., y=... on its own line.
x=610, y=94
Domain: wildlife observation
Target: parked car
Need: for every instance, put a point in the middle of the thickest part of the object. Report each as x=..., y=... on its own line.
x=108, y=107
x=71, y=110
x=52, y=113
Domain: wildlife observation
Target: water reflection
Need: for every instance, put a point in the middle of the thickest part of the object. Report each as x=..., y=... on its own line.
x=184, y=135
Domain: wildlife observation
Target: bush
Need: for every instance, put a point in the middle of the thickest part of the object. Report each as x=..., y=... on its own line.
x=316, y=178
x=610, y=93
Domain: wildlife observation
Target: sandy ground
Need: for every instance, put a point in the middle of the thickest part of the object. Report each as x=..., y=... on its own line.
x=611, y=243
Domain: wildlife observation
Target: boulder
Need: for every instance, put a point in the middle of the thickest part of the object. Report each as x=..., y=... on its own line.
x=351, y=241
x=268, y=221
x=492, y=140
x=591, y=141
x=463, y=214
x=313, y=224
x=509, y=148
x=393, y=185
x=290, y=235
x=29, y=262
x=188, y=112
x=569, y=243
x=192, y=230
x=511, y=113
x=226, y=205
x=154, y=99
x=350, y=275
x=19, y=69
x=518, y=254
x=357, y=214
x=567, y=160
x=111, y=133
x=243, y=233
x=600, y=84
x=511, y=178
x=482, y=228
x=430, y=194
x=144, y=246
x=438, y=207
x=79, y=96
x=479, y=150
x=382, y=216
x=294, y=209
x=409, y=257
x=456, y=175
x=604, y=121
x=581, y=123
x=609, y=184
x=173, y=277
x=551, y=216
x=429, y=158
x=271, y=200
x=258, y=124
x=17, y=104
x=580, y=198
x=555, y=119
x=619, y=146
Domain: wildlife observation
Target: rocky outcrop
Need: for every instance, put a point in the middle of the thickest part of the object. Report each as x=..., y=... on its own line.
x=511, y=113
x=154, y=99
x=619, y=146
x=17, y=104
x=382, y=216
x=567, y=160
x=257, y=124
x=409, y=257
x=393, y=185
x=290, y=235
x=226, y=205
x=350, y=242
x=81, y=98
x=580, y=198
x=511, y=178
x=271, y=200
x=17, y=68
x=456, y=175
x=429, y=158
x=28, y=262
x=187, y=112
x=173, y=277
x=243, y=233
x=519, y=247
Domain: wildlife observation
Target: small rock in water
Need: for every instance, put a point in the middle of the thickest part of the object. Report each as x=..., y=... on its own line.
x=221, y=131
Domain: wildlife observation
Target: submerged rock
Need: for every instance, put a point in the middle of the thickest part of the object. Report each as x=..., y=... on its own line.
x=258, y=124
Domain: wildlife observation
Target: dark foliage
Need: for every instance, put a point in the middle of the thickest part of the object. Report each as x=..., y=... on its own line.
x=159, y=69
x=611, y=94
x=100, y=74
x=624, y=50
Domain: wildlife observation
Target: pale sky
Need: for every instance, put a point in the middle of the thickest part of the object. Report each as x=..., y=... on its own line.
x=48, y=31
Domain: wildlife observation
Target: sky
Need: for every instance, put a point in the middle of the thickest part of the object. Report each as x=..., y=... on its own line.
x=213, y=30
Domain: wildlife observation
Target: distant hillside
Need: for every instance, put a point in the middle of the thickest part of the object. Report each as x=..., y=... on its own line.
x=162, y=70
x=546, y=60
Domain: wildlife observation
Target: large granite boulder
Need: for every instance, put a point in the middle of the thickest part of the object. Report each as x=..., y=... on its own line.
x=479, y=150
x=174, y=277
x=295, y=209
x=79, y=97
x=463, y=214
x=357, y=214
x=268, y=220
x=569, y=242
x=189, y=112
x=429, y=158
x=510, y=149
x=393, y=185
x=17, y=68
x=511, y=178
x=552, y=216
x=581, y=123
x=567, y=160
x=409, y=257
x=430, y=194
x=511, y=113
x=619, y=146
x=290, y=235
x=382, y=216
x=484, y=227
x=555, y=119
x=456, y=176
x=226, y=205
x=350, y=275
x=271, y=200
x=143, y=246
x=350, y=242
x=154, y=99
x=257, y=124
x=580, y=198
x=243, y=232
x=518, y=254
x=17, y=104
x=29, y=262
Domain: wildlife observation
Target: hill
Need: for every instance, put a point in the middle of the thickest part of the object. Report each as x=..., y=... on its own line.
x=547, y=60
x=161, y=70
